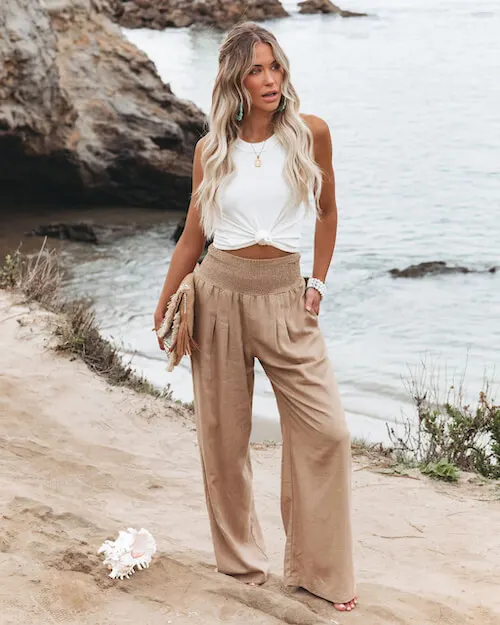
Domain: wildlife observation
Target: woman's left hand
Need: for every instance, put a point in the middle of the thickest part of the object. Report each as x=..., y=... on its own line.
x=313, y=301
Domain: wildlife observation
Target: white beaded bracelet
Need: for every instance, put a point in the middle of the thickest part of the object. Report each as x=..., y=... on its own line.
x=315, y=283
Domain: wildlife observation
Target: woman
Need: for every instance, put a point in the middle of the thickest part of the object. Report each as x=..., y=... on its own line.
x=256, y=173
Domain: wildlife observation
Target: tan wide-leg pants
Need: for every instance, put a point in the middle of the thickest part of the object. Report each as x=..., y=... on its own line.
x=247, y=309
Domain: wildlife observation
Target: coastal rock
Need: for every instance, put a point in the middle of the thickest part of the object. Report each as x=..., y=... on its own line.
x=81, y=232
x=84, y=116
x=325, y=6
x=87, y=232
x=223, y=14
x=434, y=267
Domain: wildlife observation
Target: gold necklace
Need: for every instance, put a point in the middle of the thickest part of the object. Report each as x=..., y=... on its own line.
x=258, y=162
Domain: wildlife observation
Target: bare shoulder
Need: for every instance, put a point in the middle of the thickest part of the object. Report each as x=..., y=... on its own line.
x=317, y=126
x=322, y=140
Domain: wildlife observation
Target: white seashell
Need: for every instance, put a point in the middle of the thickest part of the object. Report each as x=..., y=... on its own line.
x=133, y=548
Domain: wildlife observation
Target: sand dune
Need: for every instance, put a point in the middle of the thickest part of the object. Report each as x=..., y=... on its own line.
x=80, y=460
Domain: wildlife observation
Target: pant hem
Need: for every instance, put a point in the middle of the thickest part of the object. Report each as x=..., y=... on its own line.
x=258, y=578
x=322, y=594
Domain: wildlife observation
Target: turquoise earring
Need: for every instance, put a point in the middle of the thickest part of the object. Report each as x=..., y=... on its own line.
x=283, y=106
x=239, y=114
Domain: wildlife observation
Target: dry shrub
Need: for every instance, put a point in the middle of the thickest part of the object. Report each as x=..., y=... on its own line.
x=78, y=334
x=38, y=278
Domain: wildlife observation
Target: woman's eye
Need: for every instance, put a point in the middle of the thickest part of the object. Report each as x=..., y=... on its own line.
x=254, y=71
x=277, y=67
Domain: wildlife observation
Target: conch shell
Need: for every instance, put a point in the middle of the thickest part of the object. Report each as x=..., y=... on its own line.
x=131, y=549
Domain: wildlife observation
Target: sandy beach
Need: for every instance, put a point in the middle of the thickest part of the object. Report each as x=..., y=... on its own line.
x=81, y=460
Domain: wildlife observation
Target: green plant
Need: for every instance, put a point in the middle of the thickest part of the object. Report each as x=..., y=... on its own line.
x=451, y=432
x=441, y=470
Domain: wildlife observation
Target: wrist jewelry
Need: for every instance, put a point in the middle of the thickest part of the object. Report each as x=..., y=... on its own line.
x=315, y=283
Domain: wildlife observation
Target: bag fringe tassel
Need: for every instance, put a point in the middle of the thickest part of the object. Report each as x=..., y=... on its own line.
x=183, y=344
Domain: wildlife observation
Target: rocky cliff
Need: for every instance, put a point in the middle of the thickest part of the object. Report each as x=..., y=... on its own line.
x=84, y=115
x=221, y=14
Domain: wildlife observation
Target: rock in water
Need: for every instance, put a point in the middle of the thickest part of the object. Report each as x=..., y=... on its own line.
x=434, y=267
x=326, y=6
x=82, y=232
x=84, y=116
x=222, y=14
x=318, y=6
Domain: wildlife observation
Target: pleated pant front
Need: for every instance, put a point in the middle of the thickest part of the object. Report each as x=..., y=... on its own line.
x=248, y=309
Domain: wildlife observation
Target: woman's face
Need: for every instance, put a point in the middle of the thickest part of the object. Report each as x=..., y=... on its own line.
x=265, y=79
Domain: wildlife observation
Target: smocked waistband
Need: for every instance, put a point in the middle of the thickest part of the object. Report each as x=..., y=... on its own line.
x=252, y=276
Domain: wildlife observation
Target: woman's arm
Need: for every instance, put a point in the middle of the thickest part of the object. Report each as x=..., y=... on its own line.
x=326, y=226
x=188, y=249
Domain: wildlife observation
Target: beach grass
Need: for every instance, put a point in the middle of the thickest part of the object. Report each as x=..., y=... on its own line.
x=38, y=278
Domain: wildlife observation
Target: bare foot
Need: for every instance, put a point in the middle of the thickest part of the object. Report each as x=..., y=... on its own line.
x=347, y=606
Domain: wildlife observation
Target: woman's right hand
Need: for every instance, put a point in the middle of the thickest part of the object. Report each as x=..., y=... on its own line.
x=158, y=318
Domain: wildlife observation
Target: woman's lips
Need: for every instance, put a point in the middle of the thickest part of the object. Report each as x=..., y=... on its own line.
x=271, y=97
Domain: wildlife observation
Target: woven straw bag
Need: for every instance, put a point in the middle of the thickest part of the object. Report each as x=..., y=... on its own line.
x=176, y=329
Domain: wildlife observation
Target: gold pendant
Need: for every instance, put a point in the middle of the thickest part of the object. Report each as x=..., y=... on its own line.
x=258, y=162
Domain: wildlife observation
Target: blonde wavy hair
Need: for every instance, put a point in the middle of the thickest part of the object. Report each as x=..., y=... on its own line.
x=236, y=58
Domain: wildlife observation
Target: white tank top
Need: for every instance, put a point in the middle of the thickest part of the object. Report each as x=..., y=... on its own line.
x=254, y=202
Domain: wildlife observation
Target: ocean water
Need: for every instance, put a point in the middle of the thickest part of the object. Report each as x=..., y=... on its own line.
x=412, y=97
